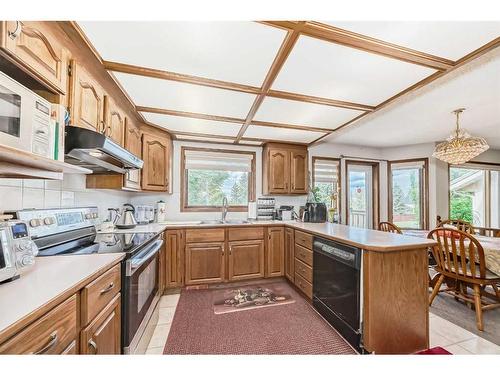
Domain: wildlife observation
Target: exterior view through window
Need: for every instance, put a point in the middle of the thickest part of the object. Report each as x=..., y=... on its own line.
x=325, y=180
x=407, y=194
x=211, y=175
x=474, y=194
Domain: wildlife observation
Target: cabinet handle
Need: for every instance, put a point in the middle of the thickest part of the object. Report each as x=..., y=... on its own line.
x=14, y=34
x=93, y=345
x=108, y=288
x=230, y=249
x=50, y=344
x=286, y=185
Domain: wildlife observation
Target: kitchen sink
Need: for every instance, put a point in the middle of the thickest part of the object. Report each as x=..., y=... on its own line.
x=216, y=222
x=213, y=222
x=236, y=222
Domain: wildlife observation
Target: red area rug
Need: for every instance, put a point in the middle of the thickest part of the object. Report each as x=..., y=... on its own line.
x=284, y=329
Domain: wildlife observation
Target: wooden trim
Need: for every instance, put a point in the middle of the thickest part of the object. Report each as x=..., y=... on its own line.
x=178, y=77
x=183, y=179
x=375, y=189
x=319, y=100
x=285, y=49
x=339, y=197
x=424, y=82
x=365, y=43
x=424, y=220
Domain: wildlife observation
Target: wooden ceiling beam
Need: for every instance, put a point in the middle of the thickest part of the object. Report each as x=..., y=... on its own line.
x=368, y=44
x=178, y=77
x=278, y=62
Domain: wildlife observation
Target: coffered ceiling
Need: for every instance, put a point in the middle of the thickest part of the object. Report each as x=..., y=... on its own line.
x=250, y=82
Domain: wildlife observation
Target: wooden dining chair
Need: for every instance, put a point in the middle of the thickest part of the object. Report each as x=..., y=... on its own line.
x=460, y=257
x=462, y=225
x=386, y=226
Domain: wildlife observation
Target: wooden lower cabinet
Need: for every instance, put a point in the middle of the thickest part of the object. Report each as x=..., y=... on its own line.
x=246, y=260
x=205, y=263
x=289, y=254
x=174, y=258
x=275, y=251
x=102, y=336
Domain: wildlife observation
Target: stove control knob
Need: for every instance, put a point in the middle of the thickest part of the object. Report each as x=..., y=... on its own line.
x=25, y=261
x=34, y=223
x=94, y=215
x=48, y=220
x=88, y=216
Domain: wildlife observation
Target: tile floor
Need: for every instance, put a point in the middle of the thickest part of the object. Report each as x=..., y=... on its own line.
x=443, y=333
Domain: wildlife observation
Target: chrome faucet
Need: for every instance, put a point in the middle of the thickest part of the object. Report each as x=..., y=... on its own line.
x=224, y=209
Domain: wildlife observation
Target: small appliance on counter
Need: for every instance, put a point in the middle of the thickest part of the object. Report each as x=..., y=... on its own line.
x=144, y=214
x=17, y=250
x=285, y=213
x=265, y=208
x=314, y=212
x=126, y=220
x=161, y=212
x=252, y=210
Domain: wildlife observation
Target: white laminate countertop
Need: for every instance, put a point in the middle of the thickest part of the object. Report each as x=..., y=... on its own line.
x=48, y=280
x=367, y=239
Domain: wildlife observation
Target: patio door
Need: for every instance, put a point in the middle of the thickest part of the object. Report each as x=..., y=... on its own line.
x=362, y=194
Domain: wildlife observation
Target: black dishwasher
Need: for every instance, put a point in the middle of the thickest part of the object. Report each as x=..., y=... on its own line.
x=336, y=287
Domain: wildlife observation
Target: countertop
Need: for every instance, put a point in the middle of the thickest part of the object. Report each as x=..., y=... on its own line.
x=366, y=239
x=50, y=281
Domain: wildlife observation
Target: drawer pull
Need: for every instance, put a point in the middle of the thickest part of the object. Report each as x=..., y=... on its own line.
x=108, y=288
x=14, y=34
x=50, y=344
x=93, y=345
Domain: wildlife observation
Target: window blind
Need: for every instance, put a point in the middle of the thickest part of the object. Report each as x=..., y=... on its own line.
x=219, y=161
x=486, y=167
x=326, y=171
x=408, y=165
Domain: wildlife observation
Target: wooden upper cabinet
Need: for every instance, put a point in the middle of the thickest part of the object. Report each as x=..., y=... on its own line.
x=133, y=143
x=275, y=251
x=36, y=47
x=156, y=151
x=284, y=169
x=246, y=260
x=86, y=99
x=114, y=121
x=298, y=172
x=205, y=263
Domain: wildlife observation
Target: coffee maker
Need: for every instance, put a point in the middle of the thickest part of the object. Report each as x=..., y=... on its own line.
x=314, y=212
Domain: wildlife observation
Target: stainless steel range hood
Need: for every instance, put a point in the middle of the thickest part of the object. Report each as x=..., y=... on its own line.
x=92, y=150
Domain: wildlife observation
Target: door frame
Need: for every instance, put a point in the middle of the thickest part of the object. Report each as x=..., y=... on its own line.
x=375, y=188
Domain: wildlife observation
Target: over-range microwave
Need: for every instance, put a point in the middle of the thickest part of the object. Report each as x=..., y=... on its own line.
x=25, y=121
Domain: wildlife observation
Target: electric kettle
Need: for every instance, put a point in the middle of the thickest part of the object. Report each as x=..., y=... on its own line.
x=125, y=220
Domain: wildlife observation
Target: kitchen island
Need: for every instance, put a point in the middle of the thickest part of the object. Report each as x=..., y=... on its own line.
x=394, y=281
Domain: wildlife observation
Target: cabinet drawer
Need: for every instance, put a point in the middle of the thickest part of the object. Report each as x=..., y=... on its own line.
x=205, y=235
x=243, y=234
x=303, y=254
x=51, y=334
x=303, y=285
x=304, y=239
x=304, y=270
x=97, y=294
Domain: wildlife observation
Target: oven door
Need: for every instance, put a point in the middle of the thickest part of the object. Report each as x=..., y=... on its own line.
x=140, y=288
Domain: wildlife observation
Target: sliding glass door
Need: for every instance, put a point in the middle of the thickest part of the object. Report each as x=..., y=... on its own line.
x=362, y=194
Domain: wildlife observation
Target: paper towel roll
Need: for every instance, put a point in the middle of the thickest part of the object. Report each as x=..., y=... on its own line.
x=252, y=210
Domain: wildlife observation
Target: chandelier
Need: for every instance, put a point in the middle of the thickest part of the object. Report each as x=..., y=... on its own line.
x=460, y=147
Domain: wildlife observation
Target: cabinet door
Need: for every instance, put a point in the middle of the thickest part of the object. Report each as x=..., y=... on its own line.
x=86, y=100
x=275, y=251
x=246, y=260
x=298, y=172
x=102, y=336
x=133, y=143
x=289, y=254
x=114, y=121
x=279, y=171
x=175, y=262
x=35, y=45
x=155, y=153
x=204, y=263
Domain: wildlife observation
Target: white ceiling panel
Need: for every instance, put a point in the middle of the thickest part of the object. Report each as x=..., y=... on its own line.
x=449, y=39
x=281, y=134
x=329, y=70
x=203, y=139
x=301, y=113
x=239, y=52
x=192, y=125
x=425, y=115
x=159, y=93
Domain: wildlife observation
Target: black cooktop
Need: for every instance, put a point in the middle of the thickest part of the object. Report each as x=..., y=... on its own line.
x=101, y=243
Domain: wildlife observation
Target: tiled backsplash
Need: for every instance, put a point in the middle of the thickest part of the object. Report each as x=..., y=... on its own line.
x=17, y=194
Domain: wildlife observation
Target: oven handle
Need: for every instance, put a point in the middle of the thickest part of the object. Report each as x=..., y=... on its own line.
x=150, y=252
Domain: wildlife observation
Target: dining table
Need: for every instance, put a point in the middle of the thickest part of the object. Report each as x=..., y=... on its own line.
x=491, y=247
